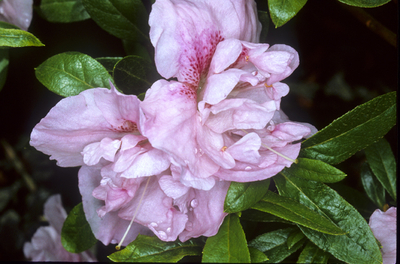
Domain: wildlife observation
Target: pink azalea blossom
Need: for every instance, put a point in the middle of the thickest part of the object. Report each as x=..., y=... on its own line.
x=16, y=12
x=384, y=227
x=46, y=242
x=224, y=85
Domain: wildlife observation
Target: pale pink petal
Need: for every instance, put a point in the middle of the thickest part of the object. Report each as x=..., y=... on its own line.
x=384, y=227
x=110, y=228
x=55, y=212
x=16, y=12
x=206, y=212
x=246, y=149
x=172, y=188
x=185, y=33
x=77, y=121
x=106, y=148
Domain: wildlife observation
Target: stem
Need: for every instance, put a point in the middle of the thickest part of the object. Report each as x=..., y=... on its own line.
x=373, y=24
x=118, y=247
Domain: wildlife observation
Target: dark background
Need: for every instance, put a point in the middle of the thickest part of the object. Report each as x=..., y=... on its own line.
x=342, y=64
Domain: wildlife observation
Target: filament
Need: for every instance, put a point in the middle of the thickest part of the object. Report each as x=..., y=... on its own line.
x=274, y=151
x=118, y=247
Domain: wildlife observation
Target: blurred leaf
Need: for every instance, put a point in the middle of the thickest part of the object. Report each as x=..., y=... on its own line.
x=365, y=3
x=70, y=73
x=383, y=165
x=63, y=11
x=372, y=186
x=229, y=245
x=296, y=212
x=76, y=235
x=315, y=170
x=257, y=256
x=4, y=61
x=258, y=216
x=353, y=131
x=274, y=244
x=132, y=47
x=152, y=249
x=6, y=25
x=313, y=254
x=264, y=20
x=282, y=11
x=358, y=245
x=294, y=237
x=131, y=74
x=242, y=195
x=10, y=37
x=121, y=18
x=109, y=63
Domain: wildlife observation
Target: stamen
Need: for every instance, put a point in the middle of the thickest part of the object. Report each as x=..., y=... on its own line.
x=267, y=86
x=118, y=247
x=224, y=148
x=274, y=151
x=247, y=58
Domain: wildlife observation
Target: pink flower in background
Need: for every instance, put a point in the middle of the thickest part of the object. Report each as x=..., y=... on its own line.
x=46, y=242
x=384, y=227
x=16, y=12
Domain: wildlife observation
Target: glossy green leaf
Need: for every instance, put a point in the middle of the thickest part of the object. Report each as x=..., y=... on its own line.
x=4, y=61
x=294, y=238
x=313, y=254
x=76, y=235
x=10, y=37
x=229, y=245
x=358, y=245
x=132, y=47
x=315, y=170
x=257, y=256
x=109, y=63
x=353, y=131
x=282, y=11
x=152, y=249
x=296, y=212
x=372, y=186
x=258, y=216
x=263, y=17
x=383, y=164
x=121, y=18
x=70, y=73
x=7, y=25
x=63, y=11
x=131, y=74
x=274, y=244
x=365, y=3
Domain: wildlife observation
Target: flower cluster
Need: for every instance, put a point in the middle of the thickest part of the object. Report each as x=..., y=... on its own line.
x=166, y=162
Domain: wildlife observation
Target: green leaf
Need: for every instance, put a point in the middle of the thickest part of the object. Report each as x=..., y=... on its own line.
x=229, y=245
x=313, y=254
x=372, y=186
x=365, y=3
x=70, y=73
x=4, y=61
x=131, y=74
x=315, y=170
x=242, y=195
x=121, y=18
x=294, y=237
x=63, y=11
x=296, y=212
x=283, y=10
x=258, y=216
x=7, y=25
x=152, y=249
x=274, y=244
x=264, y=20
x=383, y=165
x=76, y=235
x=353, y=131
x=10, y=37
x=109, y=63
x=358, y=245
x=257, y=256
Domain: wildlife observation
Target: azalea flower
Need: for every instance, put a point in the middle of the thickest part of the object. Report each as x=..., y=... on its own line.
x=16, y=12
x=384, y=227
x=46, y=242
x=227, y=87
